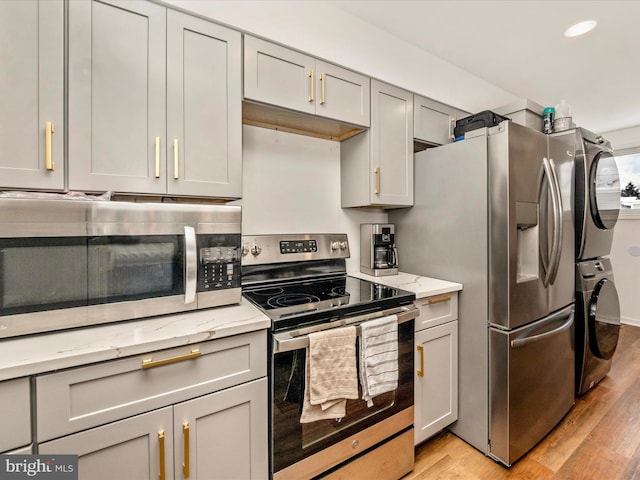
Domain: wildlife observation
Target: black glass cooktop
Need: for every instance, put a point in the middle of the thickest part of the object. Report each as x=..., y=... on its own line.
x=310, y=301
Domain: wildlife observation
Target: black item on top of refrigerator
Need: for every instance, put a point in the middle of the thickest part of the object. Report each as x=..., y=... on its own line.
x=483, y=119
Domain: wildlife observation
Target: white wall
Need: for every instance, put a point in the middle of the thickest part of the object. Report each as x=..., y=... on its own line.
x=626, y=238
x=624, y=138
x=291, y=184
x=625, y=260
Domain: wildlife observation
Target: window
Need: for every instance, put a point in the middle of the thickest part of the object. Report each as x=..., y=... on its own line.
x=628, y=162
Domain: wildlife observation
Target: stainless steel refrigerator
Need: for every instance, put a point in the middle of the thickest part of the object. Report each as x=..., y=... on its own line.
x=494, y=212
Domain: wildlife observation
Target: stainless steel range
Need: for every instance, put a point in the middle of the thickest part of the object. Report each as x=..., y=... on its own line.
x=300, y=282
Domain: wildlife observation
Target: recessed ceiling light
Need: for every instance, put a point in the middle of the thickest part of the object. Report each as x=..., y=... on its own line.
x=580, y=28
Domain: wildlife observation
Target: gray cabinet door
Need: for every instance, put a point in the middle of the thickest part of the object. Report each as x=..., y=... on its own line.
x=31, y=94
x=436, y=387
x=278, y=76
x=204, y=108
x=342, y=94
x=223, y=436
x=285, y=78
x=391, y=180
x=137, y=448
x=433, y=121
x=116, y=101
x=15, y=413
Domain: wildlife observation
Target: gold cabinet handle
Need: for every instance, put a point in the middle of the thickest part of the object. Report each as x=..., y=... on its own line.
x=185, y=435
x=157, y=157
x=163, y=473
x=322, y=89
x=420, y=371
x=48, y=159
x=150, y=363
x=378, y=174
x=176, y=157
x=313, y=81
x=444, y=298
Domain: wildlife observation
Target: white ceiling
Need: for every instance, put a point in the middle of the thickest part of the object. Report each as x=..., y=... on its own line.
x=518, y=46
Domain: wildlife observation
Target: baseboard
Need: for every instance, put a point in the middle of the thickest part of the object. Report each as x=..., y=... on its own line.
x=630, y=321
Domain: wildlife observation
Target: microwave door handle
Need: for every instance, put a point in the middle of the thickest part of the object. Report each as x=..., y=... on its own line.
x=190, y=264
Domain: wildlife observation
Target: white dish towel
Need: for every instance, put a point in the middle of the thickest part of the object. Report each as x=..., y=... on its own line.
x=378, y=357
x=331, y=374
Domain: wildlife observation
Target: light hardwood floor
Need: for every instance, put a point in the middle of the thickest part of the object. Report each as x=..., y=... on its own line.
x=599, y=439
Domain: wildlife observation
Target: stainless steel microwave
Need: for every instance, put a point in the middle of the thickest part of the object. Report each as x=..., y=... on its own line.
x=71, y=263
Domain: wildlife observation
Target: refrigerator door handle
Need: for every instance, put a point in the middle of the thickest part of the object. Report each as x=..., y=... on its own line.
x=521, y=342
x=558, y=233
x=551, y=264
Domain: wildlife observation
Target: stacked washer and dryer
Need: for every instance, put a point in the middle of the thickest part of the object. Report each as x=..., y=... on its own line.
x=597, y=206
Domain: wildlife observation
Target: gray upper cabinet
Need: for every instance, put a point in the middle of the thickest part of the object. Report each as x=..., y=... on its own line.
x=204, y=108
x=433, y=121
x=285, y=78
x=154, y=101
x=377, y=165
x=31, y=94
x=117, y=107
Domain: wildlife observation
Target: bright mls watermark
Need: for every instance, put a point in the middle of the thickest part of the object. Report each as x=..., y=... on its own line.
x=50, y=467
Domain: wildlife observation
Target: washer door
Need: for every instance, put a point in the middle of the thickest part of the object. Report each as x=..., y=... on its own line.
x=604, y=319
x=604, y=191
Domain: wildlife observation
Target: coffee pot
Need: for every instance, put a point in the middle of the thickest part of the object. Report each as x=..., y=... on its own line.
x=378, y=253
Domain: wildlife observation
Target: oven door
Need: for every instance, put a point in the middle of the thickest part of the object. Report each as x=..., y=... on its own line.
x=303, y=450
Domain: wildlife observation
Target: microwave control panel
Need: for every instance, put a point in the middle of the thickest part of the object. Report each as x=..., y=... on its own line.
x=219, y=267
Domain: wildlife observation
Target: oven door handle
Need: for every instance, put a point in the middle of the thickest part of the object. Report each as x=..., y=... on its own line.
x=297, y=339
x=190, y=265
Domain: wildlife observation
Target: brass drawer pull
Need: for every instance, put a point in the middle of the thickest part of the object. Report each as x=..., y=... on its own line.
x=444, y=298
x=420, y=372
x=150, y=363
x=185, y=435
x=313, y=80
x=163, y=474
x=157, y=172
x=176, y=159
x=48, y=156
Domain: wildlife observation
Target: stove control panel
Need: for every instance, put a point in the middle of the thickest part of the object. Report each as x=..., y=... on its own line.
x=277, y=248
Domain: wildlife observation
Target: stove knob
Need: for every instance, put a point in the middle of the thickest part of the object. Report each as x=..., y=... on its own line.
x=343, y=245
x=335, y=246
x=245, y=251
x=255, y=250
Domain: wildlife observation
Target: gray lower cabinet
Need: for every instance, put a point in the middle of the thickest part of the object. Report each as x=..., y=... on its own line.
x=31, y=94
x=221, y=436
x=434, y=121
x=198, y=411
x=154, y=101
x=15, y=415
x=436, y=361
x=289, y=79
x=377, y=165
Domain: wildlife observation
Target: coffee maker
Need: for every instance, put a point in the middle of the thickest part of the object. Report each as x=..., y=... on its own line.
x=378, y=254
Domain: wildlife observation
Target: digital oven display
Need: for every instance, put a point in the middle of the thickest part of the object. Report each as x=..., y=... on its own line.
x=298, y=246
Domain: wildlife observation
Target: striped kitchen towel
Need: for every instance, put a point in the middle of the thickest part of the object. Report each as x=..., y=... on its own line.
x=378, y=357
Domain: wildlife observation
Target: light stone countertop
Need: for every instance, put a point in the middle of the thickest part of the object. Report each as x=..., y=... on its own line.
x=421, y=286
x=40, y=353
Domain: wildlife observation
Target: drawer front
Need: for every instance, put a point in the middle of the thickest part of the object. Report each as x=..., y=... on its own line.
x=85, y=397
x=436, y=310
x=15, y=414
